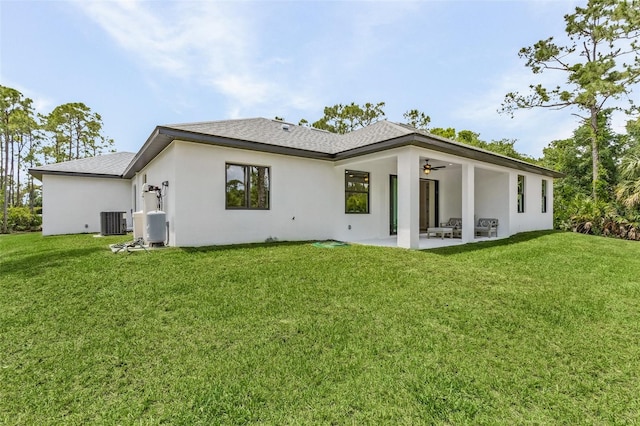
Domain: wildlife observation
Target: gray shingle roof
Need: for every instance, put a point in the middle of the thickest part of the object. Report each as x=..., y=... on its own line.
x=377, y=132
x=278, y=133
x=107, y=165
x=267, y=135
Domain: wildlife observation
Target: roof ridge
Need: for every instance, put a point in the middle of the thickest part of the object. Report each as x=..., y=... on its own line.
x=310, y=127
x=94, y=157
x=198, y=123
x=383, y=122
x=110, y=164
x=403, y=126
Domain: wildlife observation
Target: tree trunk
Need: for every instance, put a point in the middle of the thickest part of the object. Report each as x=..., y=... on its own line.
x=12, y=173
x=5, y=182
x=2, y=142
x=31, y=192
x=77, y=144
x=70, y=145
x=595, y=153
x=18, y=198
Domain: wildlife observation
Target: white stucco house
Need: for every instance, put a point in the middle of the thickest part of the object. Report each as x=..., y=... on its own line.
x=248, y=180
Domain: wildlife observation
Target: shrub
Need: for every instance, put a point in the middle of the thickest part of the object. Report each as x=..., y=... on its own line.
x=584, y=215
x=21, y=219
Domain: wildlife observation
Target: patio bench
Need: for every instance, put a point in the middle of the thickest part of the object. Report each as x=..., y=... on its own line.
x=487, y=226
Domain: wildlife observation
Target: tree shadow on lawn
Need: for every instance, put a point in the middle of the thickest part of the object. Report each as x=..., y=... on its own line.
x=35, y=264
x=481, y=245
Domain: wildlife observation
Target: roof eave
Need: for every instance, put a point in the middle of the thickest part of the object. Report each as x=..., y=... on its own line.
x=185, y=135
x=449, y=147
x=154, y=144
x=163, y=136
x=38, y=173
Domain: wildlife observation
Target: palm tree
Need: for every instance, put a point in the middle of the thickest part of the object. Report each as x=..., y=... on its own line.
x=628, y=190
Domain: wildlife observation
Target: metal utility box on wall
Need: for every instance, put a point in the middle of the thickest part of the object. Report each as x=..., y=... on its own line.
x=113, y=223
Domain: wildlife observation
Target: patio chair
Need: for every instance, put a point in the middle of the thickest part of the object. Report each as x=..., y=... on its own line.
x=456, y=224
x=487, y=226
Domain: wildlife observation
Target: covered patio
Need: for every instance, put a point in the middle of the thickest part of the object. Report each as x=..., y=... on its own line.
x=415, y=189
x=468, y=190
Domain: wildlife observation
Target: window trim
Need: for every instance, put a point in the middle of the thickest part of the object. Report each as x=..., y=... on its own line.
x=520, y=197
x=347, y=192
x=247, y=184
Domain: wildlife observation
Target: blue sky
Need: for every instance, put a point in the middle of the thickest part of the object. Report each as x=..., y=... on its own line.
x=145, y=63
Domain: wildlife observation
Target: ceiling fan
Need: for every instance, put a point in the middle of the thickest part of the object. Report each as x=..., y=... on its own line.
x=428, y=168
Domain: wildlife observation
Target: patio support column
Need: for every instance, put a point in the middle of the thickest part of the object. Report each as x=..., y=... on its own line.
x=409, y=199
x=468, y=203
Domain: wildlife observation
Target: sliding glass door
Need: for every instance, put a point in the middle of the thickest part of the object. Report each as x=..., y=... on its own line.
x=429, y=204
x=393, y=204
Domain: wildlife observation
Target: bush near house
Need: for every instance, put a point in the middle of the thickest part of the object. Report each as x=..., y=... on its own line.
x=608, y=219
x=20, y=219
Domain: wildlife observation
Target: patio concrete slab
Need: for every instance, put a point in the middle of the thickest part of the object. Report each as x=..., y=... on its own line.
x=425, y=243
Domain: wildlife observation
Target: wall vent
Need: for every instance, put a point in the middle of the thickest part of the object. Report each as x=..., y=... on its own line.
x=113, y=223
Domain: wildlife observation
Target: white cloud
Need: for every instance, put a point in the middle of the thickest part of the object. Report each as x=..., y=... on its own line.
x=217, y=45
x=533, y=128
x=41, y=103
x=259, y=58
x=209, y=42
x=236, y=48
x=245, y=88
x=374, y=29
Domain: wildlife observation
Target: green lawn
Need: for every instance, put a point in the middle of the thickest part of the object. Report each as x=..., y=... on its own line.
x=543, y=328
